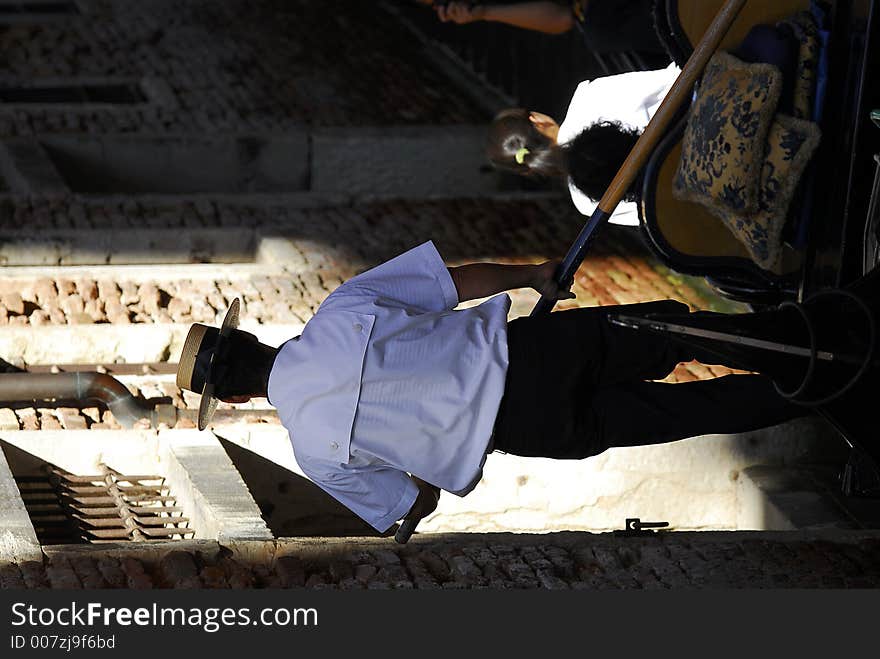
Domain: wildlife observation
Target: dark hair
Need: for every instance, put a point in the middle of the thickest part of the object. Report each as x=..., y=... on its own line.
x=245, y=367
x=594, y=156
x=512, y=130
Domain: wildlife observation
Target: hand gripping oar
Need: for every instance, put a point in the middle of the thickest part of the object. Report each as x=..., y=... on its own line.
x=636, y=159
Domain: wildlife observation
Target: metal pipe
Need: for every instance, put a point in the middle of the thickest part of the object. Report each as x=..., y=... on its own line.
x=80, y=387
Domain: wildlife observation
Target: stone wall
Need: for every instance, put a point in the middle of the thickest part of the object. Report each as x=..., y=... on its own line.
x=208, y=67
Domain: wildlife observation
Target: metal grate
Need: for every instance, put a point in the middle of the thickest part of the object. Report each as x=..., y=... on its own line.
x=107, y=507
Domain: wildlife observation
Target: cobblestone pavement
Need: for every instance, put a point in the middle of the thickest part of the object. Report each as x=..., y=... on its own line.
x=262, y=66
x=555, y=562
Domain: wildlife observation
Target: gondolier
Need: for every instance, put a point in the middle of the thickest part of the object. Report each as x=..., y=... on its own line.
x=390, y=394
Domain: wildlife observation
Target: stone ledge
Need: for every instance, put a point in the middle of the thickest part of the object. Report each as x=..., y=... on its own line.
x=557, y=561
x=18, y=541
x=790, y=498
x=204, y=479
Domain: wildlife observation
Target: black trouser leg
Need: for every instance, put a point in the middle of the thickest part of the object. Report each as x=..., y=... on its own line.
x=601, y=353
x=575, y=386
x=642, y=413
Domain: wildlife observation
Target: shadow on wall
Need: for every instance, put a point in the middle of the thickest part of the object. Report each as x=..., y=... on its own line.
x=291, y=505
x=53, y=523
x=198, y=230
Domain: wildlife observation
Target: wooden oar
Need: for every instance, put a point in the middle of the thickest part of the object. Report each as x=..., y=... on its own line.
x=643, y=148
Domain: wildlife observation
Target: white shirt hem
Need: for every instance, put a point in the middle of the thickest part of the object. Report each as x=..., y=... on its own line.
x=401, y=509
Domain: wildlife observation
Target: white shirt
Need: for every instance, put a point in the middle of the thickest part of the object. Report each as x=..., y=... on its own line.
x=386, y=379
x=630, y=98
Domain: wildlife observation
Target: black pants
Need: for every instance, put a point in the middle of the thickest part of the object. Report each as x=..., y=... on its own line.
x=576, y=386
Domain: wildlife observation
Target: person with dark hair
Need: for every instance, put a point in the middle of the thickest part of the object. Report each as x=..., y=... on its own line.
x=390, y=394
x=603, y=123
x=606, y=25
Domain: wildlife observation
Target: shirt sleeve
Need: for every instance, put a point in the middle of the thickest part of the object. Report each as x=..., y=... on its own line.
x=379, y=496
x=417, y=279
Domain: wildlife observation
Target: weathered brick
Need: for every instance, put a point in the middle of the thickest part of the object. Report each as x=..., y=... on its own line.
x=291, y=571
x=61, y=575
x=177, y=566
x=12, y=302
x=27, y=417
x=8, y=419
x=71, y=419
x=136, y=577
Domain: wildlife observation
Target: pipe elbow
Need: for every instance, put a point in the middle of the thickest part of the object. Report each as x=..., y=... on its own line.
x=113, y=394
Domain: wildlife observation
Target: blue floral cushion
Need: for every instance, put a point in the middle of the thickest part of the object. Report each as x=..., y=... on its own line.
x=790, y=144
x=723, y=145
x=803, y=27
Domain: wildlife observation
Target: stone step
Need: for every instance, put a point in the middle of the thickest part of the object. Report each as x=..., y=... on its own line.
x=800, y=497
x=92, y=344
x=405, y=160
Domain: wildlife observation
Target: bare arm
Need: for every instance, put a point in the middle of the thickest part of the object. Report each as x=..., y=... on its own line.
x=478, y=280
x=541, y=16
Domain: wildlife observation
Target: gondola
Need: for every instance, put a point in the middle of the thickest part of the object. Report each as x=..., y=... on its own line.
x=816, y=330
x=833, y=224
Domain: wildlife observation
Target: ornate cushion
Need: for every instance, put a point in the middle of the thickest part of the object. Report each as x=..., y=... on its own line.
x=723, y=144
x=804, y=28
x=790, y=144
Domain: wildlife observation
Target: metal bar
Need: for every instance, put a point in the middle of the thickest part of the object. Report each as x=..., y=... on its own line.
x=146, y=368
x=104, y=512
x=85, y=501
x=125, y=489
x=165, y=531
x=109, y=533
x=142, y=498
x=115, y=522
x=70, y=478
x=775, y=346
x=161, y=521
x=81, y=387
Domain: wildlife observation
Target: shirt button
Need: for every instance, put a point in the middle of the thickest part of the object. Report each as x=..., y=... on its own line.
x=358, y=327
x=334, y=445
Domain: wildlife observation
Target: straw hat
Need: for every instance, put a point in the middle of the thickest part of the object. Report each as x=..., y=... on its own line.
x=203, y=349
